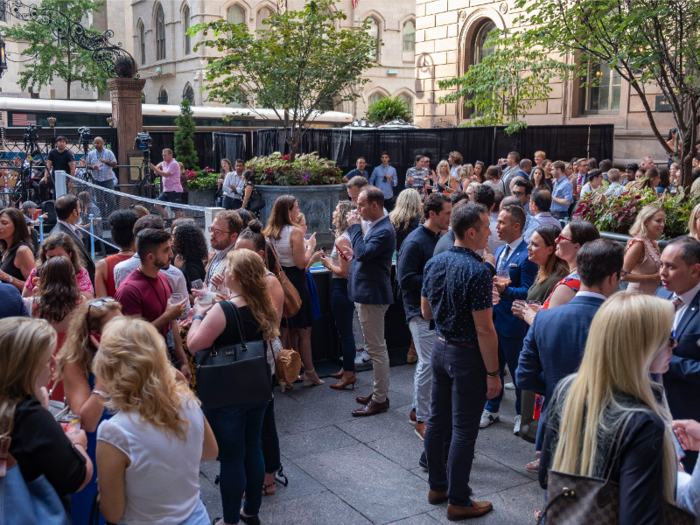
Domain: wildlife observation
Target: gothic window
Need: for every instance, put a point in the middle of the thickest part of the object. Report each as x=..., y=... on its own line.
x=163, y=96
x=142, y=43
x=262, y=15
x=409, y=39
x=186, y=26
x=188, y=94
x=374, y=33
x=160, y=34
x=235, y=15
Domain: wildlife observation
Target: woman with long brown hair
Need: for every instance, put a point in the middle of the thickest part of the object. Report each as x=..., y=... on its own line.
x=16, y=247
x=286, y=236
x=238, y=427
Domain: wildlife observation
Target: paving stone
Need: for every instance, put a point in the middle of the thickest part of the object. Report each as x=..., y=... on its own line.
x=498, y=443
x=300, y=484
x=315, y=441
x=404, y=448
x=372, y=428
x=315, y=509
x=420, y=519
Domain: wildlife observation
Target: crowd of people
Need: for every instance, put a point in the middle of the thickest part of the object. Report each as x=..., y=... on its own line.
x=493, y=278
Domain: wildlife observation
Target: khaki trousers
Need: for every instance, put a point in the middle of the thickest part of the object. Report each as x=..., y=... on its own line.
x=372, y=321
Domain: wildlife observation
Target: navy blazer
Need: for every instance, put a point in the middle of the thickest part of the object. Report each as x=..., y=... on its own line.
x=682, y=381
x=522, y=276
x=85, y=254
x=369, y=281
x=554, y=345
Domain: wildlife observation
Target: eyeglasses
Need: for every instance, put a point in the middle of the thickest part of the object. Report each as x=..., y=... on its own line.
x=217, y=232
x=562, y=238
x=519, y=193
x=100, y=303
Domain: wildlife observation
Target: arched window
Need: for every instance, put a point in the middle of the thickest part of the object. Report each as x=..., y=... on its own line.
x=142, y=43
x=163, y=96
x=375, y=97
x=262, y=15
x=480, y=50
x=188, y=94
x=374, y=33
x=409, y=40
x=160, y=34
x=185, y=27
x=235, y=15
x=408, y=101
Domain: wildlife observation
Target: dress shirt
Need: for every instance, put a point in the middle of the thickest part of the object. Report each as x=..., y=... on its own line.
x=232, y=179
x=354, y=173
x=546, y=218
x=457, y=283
x=531, y=224
x=513, y=246
x=563, y=189
x=366, y=224
x=591, y=294
x=377, y=179
x=615, y=189
x=415, y=253
x=172, y=182
x=372, y=223
x=686, y=299
x=105, y=172
x=74, y=229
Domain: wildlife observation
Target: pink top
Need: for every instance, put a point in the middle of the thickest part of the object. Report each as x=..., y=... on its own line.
x=83, y=281
x=171, y=183
x=649, y=265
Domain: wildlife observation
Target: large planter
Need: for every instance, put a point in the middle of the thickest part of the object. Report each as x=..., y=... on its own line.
x=204, y=198
x=317, y=203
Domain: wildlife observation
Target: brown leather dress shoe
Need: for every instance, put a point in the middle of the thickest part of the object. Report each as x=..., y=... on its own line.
x=477, y=508
x=420, y=430
x=412, y=417
x=371, y=409
x=436, y=497
x=364, y=400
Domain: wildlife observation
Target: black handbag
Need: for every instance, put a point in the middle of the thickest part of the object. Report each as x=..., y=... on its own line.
x=256, y=201
x=235, y=374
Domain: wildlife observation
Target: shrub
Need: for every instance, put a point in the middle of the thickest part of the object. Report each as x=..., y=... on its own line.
x=201, y=179
x=307, y=169
x=387, y=109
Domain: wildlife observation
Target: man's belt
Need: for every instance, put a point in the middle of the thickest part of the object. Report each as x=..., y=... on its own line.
x=457, y=343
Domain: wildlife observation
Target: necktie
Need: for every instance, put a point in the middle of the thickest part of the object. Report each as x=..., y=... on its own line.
x=677, y=302
x=504, y=258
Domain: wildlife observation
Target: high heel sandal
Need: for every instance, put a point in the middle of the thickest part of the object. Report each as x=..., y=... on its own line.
x=340, y=385
x=286, y=386
x=308, y=381
x=339, y=375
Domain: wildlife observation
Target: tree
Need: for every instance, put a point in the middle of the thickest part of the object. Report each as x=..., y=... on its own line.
x=646, y=41
x=505, y=84
x=184, y=136
x=387, y=109
x=294, y=67
x=59, y=57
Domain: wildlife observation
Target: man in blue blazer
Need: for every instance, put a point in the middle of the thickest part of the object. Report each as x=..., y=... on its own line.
x=369, y=287
x=680, y=277
x=512, y=257
x=554, y=345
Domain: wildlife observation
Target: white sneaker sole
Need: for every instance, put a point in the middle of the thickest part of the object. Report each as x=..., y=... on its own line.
x=489, y=422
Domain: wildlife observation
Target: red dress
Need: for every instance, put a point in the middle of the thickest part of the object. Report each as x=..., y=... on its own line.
x=112, y=261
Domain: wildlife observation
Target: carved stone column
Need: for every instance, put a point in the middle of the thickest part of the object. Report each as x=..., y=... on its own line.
x=126, y=110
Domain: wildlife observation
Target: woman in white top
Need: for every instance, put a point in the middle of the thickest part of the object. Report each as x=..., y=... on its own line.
x=148, y=454
x=294, y=252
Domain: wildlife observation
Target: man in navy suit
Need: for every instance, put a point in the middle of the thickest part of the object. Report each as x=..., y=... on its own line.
x=680, y=277
x=68, y=214
x=369, y=287
x=512, y=257
x=554, y=345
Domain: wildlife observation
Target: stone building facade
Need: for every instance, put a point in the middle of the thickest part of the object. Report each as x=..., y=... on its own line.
x=450, y=36
x=173, y=70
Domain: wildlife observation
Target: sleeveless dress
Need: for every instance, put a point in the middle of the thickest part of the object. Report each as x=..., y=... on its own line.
x=8, y=262
x=112, y=261
x=304, y=318
x=649, y=265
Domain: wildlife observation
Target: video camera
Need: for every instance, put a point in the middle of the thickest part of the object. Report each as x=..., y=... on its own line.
x=31, y=133
x=143, y=141
x=84, y=133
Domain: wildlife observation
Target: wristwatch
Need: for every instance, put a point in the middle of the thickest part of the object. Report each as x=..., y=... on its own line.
x=12, y=279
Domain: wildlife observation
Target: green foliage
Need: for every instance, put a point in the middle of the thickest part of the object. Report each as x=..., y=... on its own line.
x=184, y=136
x=506, y=83
x=387, y=109
x=201, y=179
x=293, y=66
x=646, y=41
x=616, y=214
x=58, y=58
x=305, y=170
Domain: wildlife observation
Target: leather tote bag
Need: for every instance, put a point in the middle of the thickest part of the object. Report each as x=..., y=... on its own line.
x=292, y=301
x=236, y=374
x=256, y=201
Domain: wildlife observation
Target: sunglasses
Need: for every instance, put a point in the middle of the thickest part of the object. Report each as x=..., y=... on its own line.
x=562, y=238
x=98, y=303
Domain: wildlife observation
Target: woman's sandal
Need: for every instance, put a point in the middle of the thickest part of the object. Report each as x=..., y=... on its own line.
x=533, y=466
x=270, y=493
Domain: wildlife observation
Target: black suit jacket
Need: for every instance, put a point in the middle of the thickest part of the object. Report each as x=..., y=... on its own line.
x=84, y=253
x=682, y=381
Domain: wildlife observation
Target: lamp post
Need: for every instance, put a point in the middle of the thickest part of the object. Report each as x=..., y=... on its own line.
x=3, y=57
x=111, y=122
x=52, y=124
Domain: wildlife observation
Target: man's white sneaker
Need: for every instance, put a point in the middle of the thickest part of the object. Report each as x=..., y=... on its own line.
x=488, y=418
x=362, y=358
x=516, y=428
x=358, y=359
x=509, y=386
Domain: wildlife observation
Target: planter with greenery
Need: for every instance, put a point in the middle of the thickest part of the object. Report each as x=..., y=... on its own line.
x=202, y=185
x=387, y=109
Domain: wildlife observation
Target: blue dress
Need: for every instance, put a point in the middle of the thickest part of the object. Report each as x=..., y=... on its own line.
x=82, y=501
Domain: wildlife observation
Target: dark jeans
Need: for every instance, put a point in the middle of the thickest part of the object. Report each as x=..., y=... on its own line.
x=389, y=203
x=458, y=397
x=238, y=430
x=232, y=204
x=270, y=441
x=509, y=349
x=170, y=196
x=343, y=310
x=107, y=203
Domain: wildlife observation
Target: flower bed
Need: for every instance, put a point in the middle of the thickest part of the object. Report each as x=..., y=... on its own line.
x=198, y=180
x=616, y=214
x=307, y=170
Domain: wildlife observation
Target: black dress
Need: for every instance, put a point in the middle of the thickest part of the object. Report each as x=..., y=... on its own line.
x=8, y=264
x=193, y=270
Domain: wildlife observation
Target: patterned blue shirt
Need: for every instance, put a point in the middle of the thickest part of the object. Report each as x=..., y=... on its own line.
x=105, y=171
x=457, y=283
x=377, y=179
x=563, y=189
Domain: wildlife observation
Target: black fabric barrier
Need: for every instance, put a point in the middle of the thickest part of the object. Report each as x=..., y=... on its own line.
x=229, y=146
x=486, y=144
x=203, y=145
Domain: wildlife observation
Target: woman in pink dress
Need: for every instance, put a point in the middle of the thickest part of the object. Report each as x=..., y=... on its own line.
x=642, y=254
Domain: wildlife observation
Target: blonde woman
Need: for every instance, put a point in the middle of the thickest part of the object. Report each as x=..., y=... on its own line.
x=446, y=183
x=694, y=223
x=642, y=254
x=238, y=428
x=405, y=217
x=610, y=399
x=466, y=175
x=148, y=454
x=38, y=444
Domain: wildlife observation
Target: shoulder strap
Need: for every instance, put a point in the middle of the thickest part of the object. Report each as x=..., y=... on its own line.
x=278, y=267
x=234, y=316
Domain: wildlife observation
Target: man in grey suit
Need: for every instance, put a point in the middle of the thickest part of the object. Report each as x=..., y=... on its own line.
x=68, y=215
x=369, y=287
